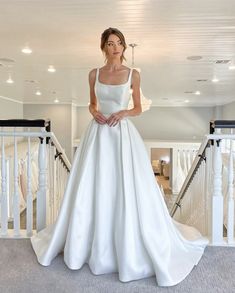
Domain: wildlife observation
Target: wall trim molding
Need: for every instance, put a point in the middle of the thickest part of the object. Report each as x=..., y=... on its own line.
x=12, y=100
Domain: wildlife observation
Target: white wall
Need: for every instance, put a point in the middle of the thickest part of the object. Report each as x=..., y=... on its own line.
x=174, y=123
x=10, y=109
x=83, y=118
x=60, y=116
x=229, y=111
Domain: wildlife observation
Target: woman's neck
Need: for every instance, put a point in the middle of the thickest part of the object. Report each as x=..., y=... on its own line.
x=113, y=65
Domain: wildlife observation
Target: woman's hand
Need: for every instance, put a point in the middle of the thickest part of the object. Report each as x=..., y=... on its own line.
x=99, y=117
x=116, y=117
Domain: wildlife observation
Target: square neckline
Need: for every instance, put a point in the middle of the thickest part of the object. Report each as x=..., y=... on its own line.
x=121, y=84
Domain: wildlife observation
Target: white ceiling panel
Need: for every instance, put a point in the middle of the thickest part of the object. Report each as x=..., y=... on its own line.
x=67, y=35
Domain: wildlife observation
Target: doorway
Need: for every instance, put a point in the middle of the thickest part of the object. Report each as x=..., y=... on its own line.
x=161, y=160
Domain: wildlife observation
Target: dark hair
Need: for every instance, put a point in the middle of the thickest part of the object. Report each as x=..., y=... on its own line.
x=112, y=31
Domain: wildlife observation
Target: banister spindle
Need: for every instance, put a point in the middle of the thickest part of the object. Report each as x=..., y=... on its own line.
x=16, y=200
x=29, y=201
x=41, y=194
x=230, y=211
x=4, y=203
x=217, y=197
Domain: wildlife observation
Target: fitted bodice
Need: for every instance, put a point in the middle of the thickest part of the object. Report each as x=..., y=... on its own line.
x=112, y=98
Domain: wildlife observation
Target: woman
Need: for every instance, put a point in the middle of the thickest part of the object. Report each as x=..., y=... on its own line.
x=113, y=216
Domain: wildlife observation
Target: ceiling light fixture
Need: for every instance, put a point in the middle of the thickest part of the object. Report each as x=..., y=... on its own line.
x=145, y=103
x=51, y=68
x=9, y=80
x=26, y=50
x=197, y=93
x=38, y=93
x=56, y=101
x=231, y=67
x=215, y=79
x=186, y=101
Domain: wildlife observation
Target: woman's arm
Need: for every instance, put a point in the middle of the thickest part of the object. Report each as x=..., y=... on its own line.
x=137, y=109
x=93, y=100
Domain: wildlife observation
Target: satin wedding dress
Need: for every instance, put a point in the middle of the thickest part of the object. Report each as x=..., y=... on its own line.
x=113, y=215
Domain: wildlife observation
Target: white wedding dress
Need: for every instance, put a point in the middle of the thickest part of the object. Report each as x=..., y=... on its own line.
x=113, y=215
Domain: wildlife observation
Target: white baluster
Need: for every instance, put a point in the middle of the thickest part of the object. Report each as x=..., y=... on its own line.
x=4, y=203
x=48, y=188
x=207, y=187
x=54, y=184
x=230, y=220
x=10, y=187
x=50, y=173
x=16, y=201
x=9, y=199
x=41, y=194
x=57, y=185
x=217, y=197
x=29, y=201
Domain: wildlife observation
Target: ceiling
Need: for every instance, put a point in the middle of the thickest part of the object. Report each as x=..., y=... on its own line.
x=66, y=34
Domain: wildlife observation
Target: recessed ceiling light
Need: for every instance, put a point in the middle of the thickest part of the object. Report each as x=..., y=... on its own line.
x=38, y=93
x=51, y=68
x=231, y=67
x=186, y=101
x=215, y=79
x=56, y=101
x=197, y=93
x=9, y=80
x=26, y=50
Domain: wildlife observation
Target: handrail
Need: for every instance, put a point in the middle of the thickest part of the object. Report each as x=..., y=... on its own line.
x=61, y=151
x=25, y=123
x=51, y=135
x=192, y=171
x=221, y=124
x=196, y=163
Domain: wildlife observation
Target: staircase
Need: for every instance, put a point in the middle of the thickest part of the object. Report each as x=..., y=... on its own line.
x=33, y=176
x=206, y=199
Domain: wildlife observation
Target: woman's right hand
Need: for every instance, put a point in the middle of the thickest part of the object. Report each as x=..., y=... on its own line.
x=99, y=117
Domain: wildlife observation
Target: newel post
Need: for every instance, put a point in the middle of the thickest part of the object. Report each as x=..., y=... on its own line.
x=217, y=197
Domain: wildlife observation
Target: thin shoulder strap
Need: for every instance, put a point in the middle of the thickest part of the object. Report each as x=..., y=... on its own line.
x=97, y=74
x=130, y=75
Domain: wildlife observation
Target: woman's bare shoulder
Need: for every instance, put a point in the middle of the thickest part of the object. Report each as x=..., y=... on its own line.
x=135, y=75
x=92, y=74
x=135, y=72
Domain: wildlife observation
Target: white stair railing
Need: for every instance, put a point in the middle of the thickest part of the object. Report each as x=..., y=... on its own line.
x=191, y=204
x=41, y=179
x=206, y=199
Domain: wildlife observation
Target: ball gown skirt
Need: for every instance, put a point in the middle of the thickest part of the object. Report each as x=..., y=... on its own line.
x=113, y=215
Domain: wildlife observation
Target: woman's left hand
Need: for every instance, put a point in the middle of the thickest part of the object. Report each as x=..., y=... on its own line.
x=116, y=117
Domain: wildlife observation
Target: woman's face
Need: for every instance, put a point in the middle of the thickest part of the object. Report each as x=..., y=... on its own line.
x=114, y=47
